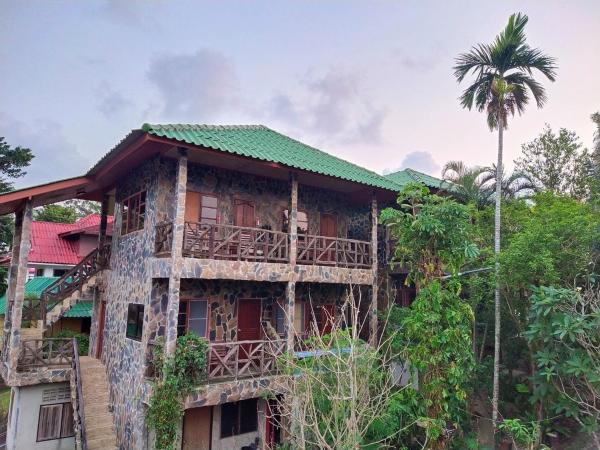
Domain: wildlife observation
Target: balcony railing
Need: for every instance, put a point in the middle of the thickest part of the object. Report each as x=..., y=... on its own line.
x=48, y=352
x=333, y=251
x=233, y=243
x=234, y=360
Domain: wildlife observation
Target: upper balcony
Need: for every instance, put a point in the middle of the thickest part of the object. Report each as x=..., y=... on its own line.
x=235, y=243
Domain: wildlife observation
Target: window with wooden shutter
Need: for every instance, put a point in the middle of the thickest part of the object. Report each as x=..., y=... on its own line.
x=55, y=422
x=134, y=213
x=201, y=208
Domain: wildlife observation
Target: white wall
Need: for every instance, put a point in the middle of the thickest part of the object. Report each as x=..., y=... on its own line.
x=23, y=420
x=48, y=269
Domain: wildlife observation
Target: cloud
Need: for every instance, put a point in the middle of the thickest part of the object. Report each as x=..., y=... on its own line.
x=110, y=101
x=193, y=87
x=422, y=63
x=131, y=12
x=418, y=160
x=55, y=156
x=333, y=106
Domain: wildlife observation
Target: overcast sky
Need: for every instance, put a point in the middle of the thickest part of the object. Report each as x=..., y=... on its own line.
x=369, y=81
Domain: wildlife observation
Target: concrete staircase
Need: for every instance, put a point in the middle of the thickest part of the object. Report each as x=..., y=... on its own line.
x=99, y=426
x=86, y=293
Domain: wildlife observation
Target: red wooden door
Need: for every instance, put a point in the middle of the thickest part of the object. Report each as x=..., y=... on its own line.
x=249, y=311
x=325, y=318
x=100, y=331
x=244, y=214
x=328, y=229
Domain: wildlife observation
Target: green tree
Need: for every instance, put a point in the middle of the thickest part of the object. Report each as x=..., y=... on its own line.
x=556, y=163
x=595, y=161
x=55, y=213
x=83, y=207
x=503, y=84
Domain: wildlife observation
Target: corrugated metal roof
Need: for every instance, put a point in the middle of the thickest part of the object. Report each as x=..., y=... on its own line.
x=405, y=176
x=260, y=142
x=80, y=309
x=35, y=286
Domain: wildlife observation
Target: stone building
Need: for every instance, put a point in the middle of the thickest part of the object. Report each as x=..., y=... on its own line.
x=227, y=231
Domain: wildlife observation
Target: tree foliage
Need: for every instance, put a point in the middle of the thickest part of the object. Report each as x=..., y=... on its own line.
x=55, y=213
x=13, y=161
x=557, y=163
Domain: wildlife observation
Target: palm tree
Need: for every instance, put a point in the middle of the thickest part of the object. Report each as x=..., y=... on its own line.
x=503, y=83
x=476, y=184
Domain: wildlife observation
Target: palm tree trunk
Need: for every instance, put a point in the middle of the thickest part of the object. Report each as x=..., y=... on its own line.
x=496, y=386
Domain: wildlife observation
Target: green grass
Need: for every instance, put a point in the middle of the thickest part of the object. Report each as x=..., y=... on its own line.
x=4, y=400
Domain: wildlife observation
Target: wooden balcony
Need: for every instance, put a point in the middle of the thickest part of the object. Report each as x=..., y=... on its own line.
x=45, y=353
x=235, y=360
x=333, y=251
x=233, y=243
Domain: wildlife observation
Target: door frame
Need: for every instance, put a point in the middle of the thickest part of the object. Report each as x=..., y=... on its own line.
x=239, y=200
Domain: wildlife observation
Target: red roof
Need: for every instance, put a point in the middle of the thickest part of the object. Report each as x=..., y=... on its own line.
x=51, y=242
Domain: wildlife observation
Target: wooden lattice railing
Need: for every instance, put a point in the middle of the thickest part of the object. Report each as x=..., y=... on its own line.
x=47, y=352
x=74, y=279
x=230, y=242
x=242, y=359
x=333, y=251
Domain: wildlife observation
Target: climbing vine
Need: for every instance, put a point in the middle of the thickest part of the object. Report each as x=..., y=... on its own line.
x=177, y=375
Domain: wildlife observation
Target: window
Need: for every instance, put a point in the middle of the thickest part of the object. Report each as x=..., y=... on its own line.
x=208, y=208
x=135, y=321
x=279, y=318
x=39, y=272
x=239, y=418
x=134, y=213
x=56, y=272
x=56, y=394
x=301, y=219
x=55, y=422
x=193, y=316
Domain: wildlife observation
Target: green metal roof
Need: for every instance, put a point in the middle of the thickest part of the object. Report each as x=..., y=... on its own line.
x=80, y=309
x=406, y=176
x=35, y=286
x=260, y=142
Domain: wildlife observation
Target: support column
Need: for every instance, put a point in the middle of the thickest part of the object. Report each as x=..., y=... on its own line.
x=176, y=252
x=373, y=306
x=17, y=277
x=290, y=290
x=103, y=220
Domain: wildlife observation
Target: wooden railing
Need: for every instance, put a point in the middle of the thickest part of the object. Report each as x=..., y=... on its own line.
x=333, y=251
x=74, y=279
x=48, y=352
x=78, y=409
x=230, y=242
x=241, y=359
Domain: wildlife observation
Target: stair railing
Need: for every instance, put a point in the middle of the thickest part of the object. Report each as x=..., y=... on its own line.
x=78, y=409
x=74, y=279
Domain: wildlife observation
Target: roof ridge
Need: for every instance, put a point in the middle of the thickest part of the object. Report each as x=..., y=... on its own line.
x=178, y=126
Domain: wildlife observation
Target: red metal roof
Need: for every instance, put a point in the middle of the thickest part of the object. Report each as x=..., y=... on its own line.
x=52, y=243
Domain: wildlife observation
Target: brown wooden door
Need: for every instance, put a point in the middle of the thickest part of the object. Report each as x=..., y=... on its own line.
x=244, y=213
x=328, y=229
x=249, y=311
x=326, y=318
x=197, y=428
x=100, y=331
x=192, y=206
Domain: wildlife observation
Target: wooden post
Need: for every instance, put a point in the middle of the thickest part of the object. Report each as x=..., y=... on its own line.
x=373, y=308
x=290, y=290
x=17, y=276
x=176, y=252
x=103, y=220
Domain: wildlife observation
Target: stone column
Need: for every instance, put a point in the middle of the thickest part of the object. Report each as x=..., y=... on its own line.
x=290, y=290
x=17, y=277
x=103, y=220
x=176, y=252
x=374, y=293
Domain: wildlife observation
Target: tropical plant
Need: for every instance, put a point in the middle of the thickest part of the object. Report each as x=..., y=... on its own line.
x=556, y=163
x=503, y=84
x=476, y=185
x=55, y=213
x=432, y=234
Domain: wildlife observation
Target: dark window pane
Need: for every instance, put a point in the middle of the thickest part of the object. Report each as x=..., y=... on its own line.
x=198, y=317
x=279, y=319
x=135, y=321
x=248, y=416
x=229, y=420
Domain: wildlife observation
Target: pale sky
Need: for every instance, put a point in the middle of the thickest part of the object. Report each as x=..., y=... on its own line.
x=368, y=81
